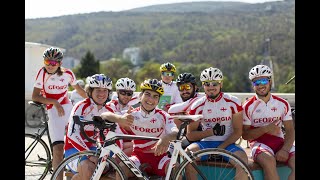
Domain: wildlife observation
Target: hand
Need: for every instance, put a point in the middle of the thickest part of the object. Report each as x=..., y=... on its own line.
x=273, y=127
x=219, y=130
x=161, y=147
x=59, y=108
x=282, y=155
x=127, y=119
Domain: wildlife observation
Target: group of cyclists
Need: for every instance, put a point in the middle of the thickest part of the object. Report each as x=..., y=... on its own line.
x=225, y=118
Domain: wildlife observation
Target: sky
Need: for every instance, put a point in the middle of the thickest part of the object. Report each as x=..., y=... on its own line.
x=49, y=8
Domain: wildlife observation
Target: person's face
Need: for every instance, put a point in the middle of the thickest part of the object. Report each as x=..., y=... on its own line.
x=212, y=88
x=149, y=99
x=124, y=96
x=261, y=85
x=186, y=91
x=100, y=95
x=167, y=76
x=51, y=65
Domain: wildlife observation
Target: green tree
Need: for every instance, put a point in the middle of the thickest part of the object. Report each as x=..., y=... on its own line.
x=88, y=66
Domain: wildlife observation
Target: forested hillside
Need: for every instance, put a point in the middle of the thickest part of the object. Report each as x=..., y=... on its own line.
x=228, y=35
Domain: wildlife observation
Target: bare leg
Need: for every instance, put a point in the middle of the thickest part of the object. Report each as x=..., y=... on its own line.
x=269, y=165
x=57, y=157
x=291, y=164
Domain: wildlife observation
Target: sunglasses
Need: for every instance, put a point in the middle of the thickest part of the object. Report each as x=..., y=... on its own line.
x=167, y=73
x=184, y=87
x=213, y=83
x=263, y=81
x=48, y=62
x=127, y=93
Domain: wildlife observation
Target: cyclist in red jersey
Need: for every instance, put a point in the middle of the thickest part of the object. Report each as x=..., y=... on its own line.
x=149, y=121
x=221, y=122
x=99, y=90
x=51, y=88
x=122, y=102
x=188, y=89
x=264, y=114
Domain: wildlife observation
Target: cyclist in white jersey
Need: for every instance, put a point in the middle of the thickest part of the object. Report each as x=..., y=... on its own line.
x=51, y=88
x=222, y=119
x=151, y=121
x=264, y=114
x=125, y=88
x=99, y=91
x=171, y=93
x=188, y=89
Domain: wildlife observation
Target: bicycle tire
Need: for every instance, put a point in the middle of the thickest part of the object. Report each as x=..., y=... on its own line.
x=34, y=116
x=212, y=168
x=37, y=157
x=66, y=161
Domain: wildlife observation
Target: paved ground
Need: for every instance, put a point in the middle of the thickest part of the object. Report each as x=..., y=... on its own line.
x=33, y=130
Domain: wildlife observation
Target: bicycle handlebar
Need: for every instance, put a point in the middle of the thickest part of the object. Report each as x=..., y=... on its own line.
x=98, y=122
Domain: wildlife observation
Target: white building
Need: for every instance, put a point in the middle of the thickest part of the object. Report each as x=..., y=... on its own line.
x=33, y=62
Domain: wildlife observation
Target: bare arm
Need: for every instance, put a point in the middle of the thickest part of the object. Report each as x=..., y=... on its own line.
x=237, y=125
x=124, y=121
x=290, y=135
x=80, y=90
x=194, y=135
x=36, y=96
x=250, y=134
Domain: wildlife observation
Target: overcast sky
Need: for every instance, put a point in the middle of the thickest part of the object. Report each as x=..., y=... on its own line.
x=52, y=8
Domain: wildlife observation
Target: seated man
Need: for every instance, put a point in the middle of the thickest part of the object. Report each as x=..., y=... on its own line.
x=263, y=118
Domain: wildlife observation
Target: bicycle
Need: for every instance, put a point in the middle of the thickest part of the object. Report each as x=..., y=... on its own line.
x=35, y=114
x=215, y=167
x=38, y=155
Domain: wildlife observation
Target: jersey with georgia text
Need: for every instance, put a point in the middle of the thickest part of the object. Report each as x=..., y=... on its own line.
x=184, y=106
x=54, y=86
x=219, y=110
x=257, y=113
x=155, y=124
x=74, y=139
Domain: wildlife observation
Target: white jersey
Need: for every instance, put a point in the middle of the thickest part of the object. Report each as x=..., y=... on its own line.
x=216, y=111
x=171, y=90
x=74, y=139
x=257, y=113
x=157, y=123
x=184, y=106
x=75, y=97
x=54, y=86
x=119, y=108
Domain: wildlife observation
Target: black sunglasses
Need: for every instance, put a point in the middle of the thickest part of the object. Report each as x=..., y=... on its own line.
x=127, y=93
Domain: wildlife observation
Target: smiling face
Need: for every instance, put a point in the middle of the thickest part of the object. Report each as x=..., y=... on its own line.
x=261, y=85
x=149, y=99
x=124, y=96
x=186, y=91
x=212, y=88
x=100, y=95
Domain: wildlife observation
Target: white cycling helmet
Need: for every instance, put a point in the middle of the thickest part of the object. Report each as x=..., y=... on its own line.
x=100, y=80
x=211, y=74
x=126, y=84
x=260, y=70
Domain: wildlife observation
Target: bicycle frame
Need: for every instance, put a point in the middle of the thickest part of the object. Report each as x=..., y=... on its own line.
x=39, y=135
x=110, y=146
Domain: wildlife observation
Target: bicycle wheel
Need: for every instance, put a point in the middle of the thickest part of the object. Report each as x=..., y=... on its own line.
x=220, y=165
x=110, y=174
x=37, y=157
x=34, y=116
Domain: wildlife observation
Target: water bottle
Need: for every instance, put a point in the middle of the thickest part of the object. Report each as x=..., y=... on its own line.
x=170, y=150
